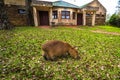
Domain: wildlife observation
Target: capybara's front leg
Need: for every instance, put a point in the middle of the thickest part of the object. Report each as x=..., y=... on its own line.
x=51, y=56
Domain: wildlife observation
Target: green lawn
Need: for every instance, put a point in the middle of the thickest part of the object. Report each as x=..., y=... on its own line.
x=103, y=28
x=21, y=54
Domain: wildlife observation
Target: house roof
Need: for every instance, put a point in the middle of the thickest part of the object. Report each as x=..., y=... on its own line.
x=64, y=4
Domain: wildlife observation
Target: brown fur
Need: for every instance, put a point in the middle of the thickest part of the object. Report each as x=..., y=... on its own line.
x=53, y=49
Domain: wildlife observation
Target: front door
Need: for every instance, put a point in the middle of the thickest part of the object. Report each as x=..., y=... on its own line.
x=79, y=19
x=44, y=18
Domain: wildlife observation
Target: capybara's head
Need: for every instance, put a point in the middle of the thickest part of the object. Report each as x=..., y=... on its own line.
x=74, y=53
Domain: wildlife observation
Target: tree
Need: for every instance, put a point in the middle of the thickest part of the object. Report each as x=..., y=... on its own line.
x=4, y=22
x=115, y=20
x=107, y=19
x=118, y=7
x=29, y=12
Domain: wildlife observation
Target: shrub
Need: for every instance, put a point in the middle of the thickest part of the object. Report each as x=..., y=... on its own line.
x=115, y=20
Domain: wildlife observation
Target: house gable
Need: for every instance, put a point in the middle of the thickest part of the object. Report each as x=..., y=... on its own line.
x=95, y=3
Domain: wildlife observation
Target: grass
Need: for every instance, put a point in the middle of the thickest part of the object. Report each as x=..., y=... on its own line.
x=102, y=28
x=21, y=54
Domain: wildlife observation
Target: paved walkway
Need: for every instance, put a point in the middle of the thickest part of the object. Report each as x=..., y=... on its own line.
x=46, y=27
x=94, y=31
x=104, y=32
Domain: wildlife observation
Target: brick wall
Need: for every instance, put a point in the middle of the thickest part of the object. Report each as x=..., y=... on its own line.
x=100, y=20
x=89, y=20
x=15, y=17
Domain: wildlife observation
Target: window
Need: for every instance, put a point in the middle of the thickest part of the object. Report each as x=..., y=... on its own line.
x=55, y=15
x=100, y=13
x=73, y=15
x=97, y=15
x=65, y=14
x=21, y=11
x=88, y=14
x=103, y=15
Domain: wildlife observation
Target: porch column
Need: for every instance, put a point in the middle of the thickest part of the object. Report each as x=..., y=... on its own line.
x=50, y=18
x=76, y=17
x=35, y=16
x=93, y=18
x=84, y=18
x=59, y=16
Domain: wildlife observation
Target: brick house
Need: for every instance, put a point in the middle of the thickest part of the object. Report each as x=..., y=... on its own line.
x=58, y=12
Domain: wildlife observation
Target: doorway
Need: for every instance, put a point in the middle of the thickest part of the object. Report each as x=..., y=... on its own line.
x=79, y=19
x=44, y=18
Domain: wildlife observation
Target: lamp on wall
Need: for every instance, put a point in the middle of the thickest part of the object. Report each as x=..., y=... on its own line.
x=78, y=11
x=91, y=13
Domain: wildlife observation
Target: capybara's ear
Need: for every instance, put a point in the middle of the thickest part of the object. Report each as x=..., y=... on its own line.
x=75, y=47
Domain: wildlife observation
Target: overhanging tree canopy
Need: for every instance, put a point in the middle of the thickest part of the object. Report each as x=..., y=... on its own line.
x=4, y=22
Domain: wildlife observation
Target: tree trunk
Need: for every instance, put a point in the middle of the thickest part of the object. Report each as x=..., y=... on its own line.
x=4, y=22
x=29, y=12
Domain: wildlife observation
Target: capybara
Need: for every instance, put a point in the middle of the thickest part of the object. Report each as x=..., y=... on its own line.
x=55, y=48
